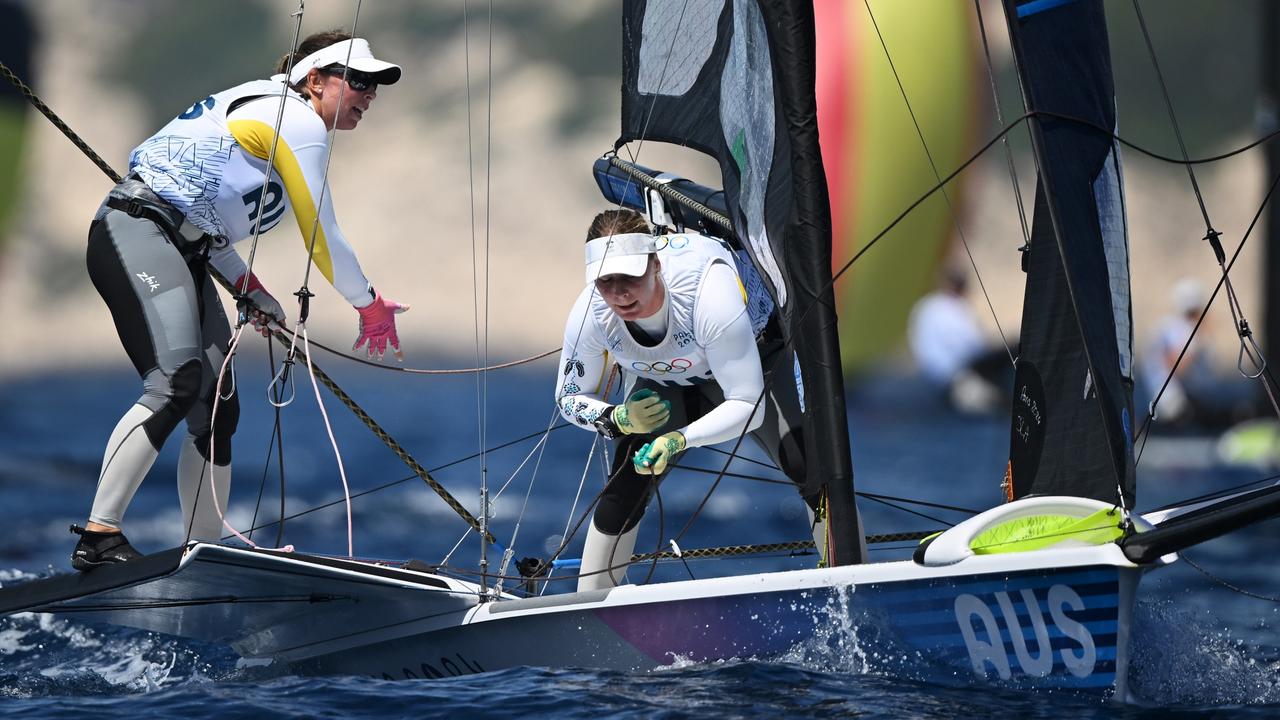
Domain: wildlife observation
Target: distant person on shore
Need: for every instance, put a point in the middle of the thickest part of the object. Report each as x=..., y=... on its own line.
x=951, y=351
x=1196, y=396
x=671, y=312
x=193, y=189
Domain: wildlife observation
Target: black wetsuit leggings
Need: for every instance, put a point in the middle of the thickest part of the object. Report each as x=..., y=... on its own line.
x=170, y=322
x=625, y=496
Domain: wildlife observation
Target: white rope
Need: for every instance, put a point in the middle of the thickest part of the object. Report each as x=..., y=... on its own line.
x=213, y=414
x=333, y=441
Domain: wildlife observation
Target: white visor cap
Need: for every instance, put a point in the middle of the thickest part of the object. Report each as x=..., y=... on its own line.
x=355, y=54
x=619, y=255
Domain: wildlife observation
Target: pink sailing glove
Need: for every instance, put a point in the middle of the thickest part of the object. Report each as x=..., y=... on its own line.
x=378, y=326
x=264, y=307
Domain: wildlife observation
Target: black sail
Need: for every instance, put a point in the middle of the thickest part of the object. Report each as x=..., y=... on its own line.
x=1073, y=396
x=735, y=79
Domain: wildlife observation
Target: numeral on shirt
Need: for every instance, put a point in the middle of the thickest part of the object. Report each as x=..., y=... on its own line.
x=197, y=109
x=272, y=209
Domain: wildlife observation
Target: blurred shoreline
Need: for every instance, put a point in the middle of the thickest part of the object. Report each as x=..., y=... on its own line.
x=484, y=240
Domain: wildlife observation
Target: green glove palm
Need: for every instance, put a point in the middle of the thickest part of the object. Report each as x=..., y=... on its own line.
x=653, y=458
x=643, y=413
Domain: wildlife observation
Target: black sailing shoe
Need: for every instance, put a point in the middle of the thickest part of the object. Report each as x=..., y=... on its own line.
x=96, y=549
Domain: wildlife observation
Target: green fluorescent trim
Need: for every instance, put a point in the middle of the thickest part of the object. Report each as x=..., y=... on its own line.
x=1042, y=531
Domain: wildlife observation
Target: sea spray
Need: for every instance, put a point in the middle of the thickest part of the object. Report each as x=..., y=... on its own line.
x=1183, y=657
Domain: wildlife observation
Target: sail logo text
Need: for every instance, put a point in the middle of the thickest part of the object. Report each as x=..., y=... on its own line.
x=984, y=634
x=1031, y=405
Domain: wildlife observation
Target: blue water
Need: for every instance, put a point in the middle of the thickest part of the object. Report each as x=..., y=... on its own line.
x=1199, y=645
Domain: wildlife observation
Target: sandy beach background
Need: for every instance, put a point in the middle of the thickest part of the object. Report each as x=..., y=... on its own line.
x=476, y=225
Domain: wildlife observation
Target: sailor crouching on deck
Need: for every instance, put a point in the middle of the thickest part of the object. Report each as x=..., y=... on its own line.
x=671, y=312
x=193, y=189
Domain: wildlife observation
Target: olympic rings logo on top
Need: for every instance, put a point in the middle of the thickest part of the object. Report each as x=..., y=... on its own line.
x=675, y=242
x=675, y=367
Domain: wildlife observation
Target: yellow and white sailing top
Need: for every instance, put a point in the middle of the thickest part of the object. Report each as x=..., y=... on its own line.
x=210, y=162
x=705, y=336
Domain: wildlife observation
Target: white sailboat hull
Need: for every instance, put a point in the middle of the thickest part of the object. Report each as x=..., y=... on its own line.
x=1056, y=618
x=1052, y=619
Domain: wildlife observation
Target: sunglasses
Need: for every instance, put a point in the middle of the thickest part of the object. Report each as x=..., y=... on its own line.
x=359, y=81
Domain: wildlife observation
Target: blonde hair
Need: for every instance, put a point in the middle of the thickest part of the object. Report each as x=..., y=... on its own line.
x=617, y=222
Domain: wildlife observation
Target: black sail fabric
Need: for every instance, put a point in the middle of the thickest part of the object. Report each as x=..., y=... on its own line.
x=1073, y=396
x=735, y=79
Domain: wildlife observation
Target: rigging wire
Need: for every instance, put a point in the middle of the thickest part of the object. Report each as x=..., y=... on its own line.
x=582, y=482
x=304, y=292
x=933, y=165
x=486, y=504
x=483, y=377
x=1008, y=151
x=1226, y=583
x=508, y=552
x=1248, y=346
x=241, y=293
x=407, y=478
x=276, y=440
x=484, y=513
x=1144, y=431
x=1185, y=161
x=421, y=371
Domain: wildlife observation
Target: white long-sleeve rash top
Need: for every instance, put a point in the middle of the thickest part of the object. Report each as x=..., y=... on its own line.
x=211, y=163
x=719, y=345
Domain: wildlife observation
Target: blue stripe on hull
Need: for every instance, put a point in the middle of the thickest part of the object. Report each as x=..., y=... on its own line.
x=971, y=630
x=975, y=624
x=984, y=625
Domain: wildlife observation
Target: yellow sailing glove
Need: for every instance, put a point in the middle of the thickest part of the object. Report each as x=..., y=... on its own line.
x=643, y=413
x=653, y=458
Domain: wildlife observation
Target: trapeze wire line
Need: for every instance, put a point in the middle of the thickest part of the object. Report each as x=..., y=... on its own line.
x=271, y=155
x=328, y=159
x=315, y=228
x=232, y=367
x=242, y=290
x=290, y=357
x=277, y=380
